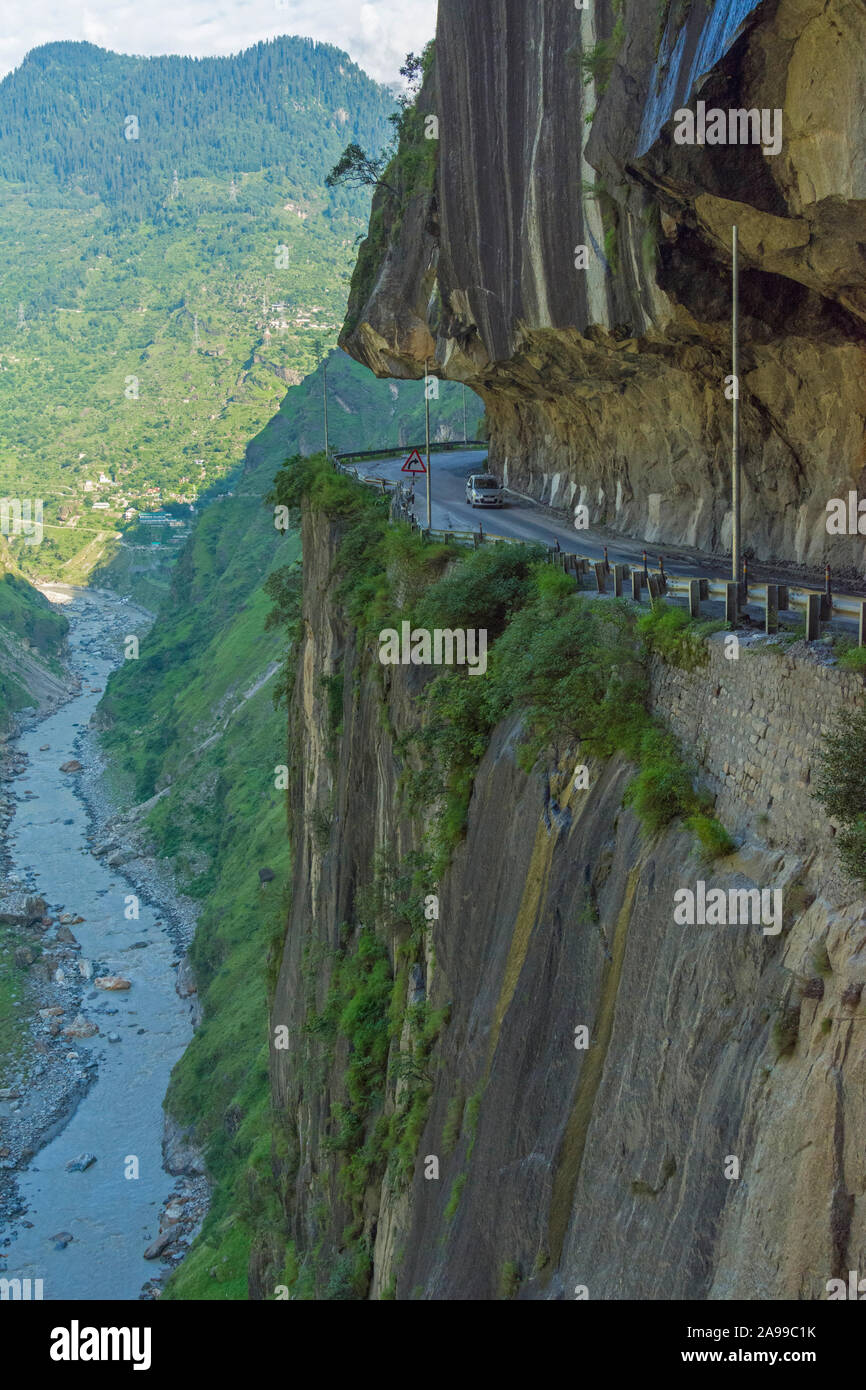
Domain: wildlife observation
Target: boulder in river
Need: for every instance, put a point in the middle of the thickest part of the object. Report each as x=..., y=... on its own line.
x=73, y=765
x=80, y=1027
x=82, y=1161
x=112, y=982
x=61, y=1239
x=161, y=1243
x=173, y=1213
x=21, y=909
x=103, y=848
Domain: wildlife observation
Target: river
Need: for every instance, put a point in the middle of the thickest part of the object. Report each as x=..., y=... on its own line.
x=111, y=1215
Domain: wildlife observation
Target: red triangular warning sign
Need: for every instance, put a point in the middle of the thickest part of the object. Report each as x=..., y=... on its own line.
x=414, y=463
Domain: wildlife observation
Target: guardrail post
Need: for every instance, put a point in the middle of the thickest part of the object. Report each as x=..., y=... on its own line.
x=606, y=564
x=783, y=597
x=636, y=585
x=663, y=579
x=814, y=605
x=655, y=589
x=732, y=602
x=695, y=598
x=600, y=576
x=862, y=634
x=771, y=620
x=827, y=597
x=618, y=576
x=704, y=590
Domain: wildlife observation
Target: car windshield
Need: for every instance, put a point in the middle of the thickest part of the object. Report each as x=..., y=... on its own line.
x=486, y=483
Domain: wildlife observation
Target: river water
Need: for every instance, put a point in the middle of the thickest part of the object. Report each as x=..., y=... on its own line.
x=111, y=1215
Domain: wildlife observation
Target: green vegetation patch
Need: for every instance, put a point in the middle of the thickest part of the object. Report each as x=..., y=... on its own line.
x=574, y=669
x=677, y=637
x=841, y=788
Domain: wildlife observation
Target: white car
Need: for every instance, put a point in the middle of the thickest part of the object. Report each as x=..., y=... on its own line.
x=483, y=490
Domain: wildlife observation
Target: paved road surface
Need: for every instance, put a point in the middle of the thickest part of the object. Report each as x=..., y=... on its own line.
x=532, y=522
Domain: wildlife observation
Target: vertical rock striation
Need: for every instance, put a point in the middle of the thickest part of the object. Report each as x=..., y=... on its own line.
x=606, y=385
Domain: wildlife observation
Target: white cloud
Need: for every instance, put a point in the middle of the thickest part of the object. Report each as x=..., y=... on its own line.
x=377, y=34
x=93, y=28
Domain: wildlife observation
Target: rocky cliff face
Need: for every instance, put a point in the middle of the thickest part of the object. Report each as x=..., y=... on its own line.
x=605, y=385
x=703, y=1139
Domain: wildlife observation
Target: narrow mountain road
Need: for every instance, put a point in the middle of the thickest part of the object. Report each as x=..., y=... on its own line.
x=531, y=521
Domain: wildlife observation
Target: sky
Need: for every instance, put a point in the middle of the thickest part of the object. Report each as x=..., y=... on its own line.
x=377, y=34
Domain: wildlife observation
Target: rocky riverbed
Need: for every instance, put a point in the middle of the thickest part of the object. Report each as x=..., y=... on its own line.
x=97, y=933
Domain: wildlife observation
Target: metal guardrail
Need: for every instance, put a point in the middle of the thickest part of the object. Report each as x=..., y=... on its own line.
x=474, y=538
x=841, y=606
x=818, y=606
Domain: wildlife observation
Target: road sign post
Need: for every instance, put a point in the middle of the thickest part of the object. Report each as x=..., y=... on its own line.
x=415, y=466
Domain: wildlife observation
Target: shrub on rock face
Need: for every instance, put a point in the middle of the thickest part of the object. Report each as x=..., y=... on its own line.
x=713, y=838
x=841, y=789
x=786, y=1027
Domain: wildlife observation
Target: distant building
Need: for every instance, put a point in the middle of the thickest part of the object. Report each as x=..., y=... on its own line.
x=100, y=507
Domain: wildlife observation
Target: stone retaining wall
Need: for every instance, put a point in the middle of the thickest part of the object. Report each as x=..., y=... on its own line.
x=756, y=726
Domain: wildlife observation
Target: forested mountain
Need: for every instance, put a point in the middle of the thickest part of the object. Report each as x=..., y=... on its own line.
x=170, y=260
x=118, y=128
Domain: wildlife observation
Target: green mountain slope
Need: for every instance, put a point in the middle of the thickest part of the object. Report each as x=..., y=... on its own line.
x=32, y=640
x=149, y=324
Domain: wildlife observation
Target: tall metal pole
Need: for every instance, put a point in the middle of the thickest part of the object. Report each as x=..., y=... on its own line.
x=427, y=417
x=736, y=518
x=465, y=435
x=325, y=401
